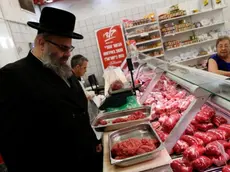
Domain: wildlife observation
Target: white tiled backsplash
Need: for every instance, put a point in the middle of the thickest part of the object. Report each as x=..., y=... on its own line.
x=22, y=36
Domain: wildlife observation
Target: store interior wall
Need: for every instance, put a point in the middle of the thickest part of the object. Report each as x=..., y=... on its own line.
x=14, y=31
x=94, y=14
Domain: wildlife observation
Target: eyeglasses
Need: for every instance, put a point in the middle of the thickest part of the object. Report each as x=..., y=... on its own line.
x=63, y=48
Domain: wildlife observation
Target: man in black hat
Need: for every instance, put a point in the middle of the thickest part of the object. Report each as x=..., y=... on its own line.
x=44, y=124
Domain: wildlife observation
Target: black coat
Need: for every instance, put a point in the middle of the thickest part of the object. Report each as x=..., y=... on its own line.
x=44, y=124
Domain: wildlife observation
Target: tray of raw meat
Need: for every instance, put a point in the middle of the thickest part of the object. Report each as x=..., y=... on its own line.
x=134, y=144
x=116, y=120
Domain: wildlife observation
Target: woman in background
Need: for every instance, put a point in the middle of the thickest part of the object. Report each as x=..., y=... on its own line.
x=220, y=63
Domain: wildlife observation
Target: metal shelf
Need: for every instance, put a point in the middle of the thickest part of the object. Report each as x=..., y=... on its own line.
x=194, y=29
x=148, y=41
x=145, y=24
x=150, y=49
x=140, y=34
x=202, y=12
x=185, y=46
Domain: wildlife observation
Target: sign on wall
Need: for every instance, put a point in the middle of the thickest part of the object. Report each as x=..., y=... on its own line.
x=111, y=45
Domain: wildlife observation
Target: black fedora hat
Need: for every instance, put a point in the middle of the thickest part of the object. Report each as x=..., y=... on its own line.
x=56, y=21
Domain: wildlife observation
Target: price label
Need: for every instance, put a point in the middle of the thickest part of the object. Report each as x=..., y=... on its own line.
x=144, y=34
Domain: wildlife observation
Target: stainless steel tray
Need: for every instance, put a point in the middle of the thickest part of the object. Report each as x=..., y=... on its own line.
x=143, y=130
x=109, y=117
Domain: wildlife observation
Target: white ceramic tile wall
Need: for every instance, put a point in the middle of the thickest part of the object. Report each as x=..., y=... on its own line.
x=15, y=19
x=22, y=35
x=93, y=14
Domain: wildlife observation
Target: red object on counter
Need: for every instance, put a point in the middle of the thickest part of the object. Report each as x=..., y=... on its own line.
x=226, y=168
x=170, y=123
x=226, y=128
x=193, y=152
x=217, y=148
x=204, y=127
x=163, y=136
x=206, y=137
x=192, y=140
x=220, y=160
x=190, y=130
x=156, y=124
x=220, y=134
x=218, y=120
x=205, y=115
x=180, y=146
x=181, y=166
x=202, y=163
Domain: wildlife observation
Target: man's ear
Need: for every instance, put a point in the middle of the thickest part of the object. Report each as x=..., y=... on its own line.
x=41, y=43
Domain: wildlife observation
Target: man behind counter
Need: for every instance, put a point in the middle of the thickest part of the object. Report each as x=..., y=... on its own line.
x=44, y=125
x=220, y=63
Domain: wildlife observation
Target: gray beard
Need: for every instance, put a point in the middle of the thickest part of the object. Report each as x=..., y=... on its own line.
x=64, y=71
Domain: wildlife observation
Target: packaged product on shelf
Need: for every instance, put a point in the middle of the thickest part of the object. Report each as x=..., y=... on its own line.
x=218, y=3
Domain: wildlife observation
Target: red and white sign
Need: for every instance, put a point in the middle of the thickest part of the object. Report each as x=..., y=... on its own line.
x=111, y=46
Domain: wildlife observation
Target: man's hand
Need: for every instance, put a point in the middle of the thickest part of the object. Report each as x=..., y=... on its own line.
x=99, y=148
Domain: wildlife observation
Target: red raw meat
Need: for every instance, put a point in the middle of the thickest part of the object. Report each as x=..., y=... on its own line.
x=190, y=98
x=226, y=168
x=180, y=95
x=149, y=101
x=163, y=118
x=193, y=152
x=131, y=147
x=184, y=105
x=162, y=135
x=192, y=140
x=220, y=160
x=160, y=108
x=102, y=122
x=220, y=134
x=206, y=137
x=225, y=127
x=170, y=107
x=116, y=85
x=205, y=115
x=204, y=127
x=202, y=163
x=190, y=130
x=170, y=123
x=194, y=122
x=118, y=120
x=156, y=124
x=181, y=166
x=180, y=147
x=217, y=148
x=218, y=120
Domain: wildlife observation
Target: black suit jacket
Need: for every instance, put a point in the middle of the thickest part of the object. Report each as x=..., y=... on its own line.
x=44, y=123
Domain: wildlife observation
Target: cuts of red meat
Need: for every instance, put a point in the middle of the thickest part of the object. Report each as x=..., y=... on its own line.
x=180, y=95
x=170, y=123
x=220, y=160
x=192, y=140
x=225, y=127
x=184, y=105
x=156, y=124
x=218, y=120
x=205, y=115
x=216, y=148
x=181, y=166
x=226, y=168
x=193, y=152
x=117, y=85
x=180, y=147
x=190, y=130
x=162, y=135
x=132, y=147
x=202, y=163
x=206, y=137
x=134, y=116
x=102, y=122
x=220, y=134
x=204, y=127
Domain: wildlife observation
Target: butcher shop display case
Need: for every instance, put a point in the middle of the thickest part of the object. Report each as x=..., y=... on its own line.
x=190, y=111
